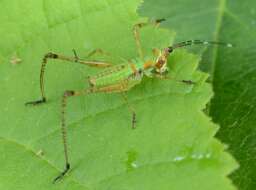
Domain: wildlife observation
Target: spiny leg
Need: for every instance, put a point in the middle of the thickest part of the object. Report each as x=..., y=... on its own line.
x=51, y=55
x=70, y=93
x=131, y=110
x=66, y=95
x=136, y=34
x=64, y=133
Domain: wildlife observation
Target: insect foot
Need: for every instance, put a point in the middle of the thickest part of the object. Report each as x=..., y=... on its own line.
x=62, y=174
x=37, y=102
x=69, y=93
x=134, y=121
x=188, y=82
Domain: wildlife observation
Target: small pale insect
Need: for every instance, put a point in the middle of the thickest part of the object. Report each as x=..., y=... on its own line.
x=116, y=78
x=15, y=60
x=40, y=152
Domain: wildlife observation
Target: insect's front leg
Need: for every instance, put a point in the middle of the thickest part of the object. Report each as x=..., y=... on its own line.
x=136, y=34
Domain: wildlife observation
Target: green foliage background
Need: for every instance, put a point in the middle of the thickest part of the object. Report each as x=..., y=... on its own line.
x=233, y=72
x=173, y=146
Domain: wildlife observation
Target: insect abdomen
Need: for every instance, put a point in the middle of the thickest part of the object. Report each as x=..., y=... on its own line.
x=123, y=75
x=111, y=75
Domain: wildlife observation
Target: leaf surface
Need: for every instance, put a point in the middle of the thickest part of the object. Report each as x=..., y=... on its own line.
x=173, y=145
x=232, y=71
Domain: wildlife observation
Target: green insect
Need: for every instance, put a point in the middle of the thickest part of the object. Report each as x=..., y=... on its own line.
x=116, y=78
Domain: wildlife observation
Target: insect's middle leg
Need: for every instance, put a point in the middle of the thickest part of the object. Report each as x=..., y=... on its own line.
x=132, y=110
x=159, y=76
x=51, y=55
x=136, y=34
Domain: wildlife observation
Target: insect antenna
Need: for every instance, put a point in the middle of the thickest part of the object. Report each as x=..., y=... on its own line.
x=197, y=42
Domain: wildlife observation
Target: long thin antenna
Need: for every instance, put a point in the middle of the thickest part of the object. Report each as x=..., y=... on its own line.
x=197, y=42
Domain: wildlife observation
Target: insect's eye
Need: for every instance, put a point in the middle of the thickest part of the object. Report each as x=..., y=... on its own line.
x=140, y=71
x=160, y=63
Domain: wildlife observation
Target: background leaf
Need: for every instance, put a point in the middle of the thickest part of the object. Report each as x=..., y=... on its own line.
x=172, y=147
x=232, y=72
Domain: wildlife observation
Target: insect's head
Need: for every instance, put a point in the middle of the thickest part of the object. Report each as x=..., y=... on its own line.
x=160, y=66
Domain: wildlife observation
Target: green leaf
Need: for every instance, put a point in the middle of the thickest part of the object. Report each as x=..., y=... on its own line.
x=232, y=70
x=173, y=145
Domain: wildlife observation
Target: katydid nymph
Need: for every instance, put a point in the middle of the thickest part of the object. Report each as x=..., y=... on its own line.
x=116, y=78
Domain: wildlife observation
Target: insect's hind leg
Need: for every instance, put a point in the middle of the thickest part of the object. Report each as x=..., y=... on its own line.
x=51, y=55
x=105, y=89
x=66, y=95
x=136, y=33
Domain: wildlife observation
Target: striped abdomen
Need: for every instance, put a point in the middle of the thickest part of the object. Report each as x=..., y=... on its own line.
x=124, y=75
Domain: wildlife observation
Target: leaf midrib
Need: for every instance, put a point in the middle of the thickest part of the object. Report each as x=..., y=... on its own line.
x=221, y=10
